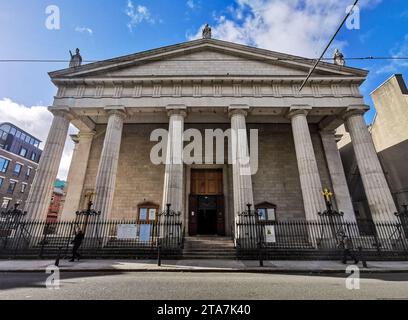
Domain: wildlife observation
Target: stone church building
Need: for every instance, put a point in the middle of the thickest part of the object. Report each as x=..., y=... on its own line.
x=208, y=84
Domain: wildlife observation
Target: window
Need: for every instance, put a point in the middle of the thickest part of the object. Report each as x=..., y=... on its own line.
x=4, y=163
x=23, y=187
x=23, y=152
x=27, y=139
x=23, y=136
x=4, y=135
x=12, y=187
x=28, y=172
x=1, y=181
x=33, y=156
x=36, y=143
x=17, y=169
x=18, y=134
x=6, y=128
x=32, y=141
x=266, y=211
x=13, y=131
x=5, y=203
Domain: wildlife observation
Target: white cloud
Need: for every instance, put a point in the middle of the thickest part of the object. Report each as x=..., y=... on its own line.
x=400, y=50
x=137, y=15
x=84, y=30
x=36, y=120
x=296, y=27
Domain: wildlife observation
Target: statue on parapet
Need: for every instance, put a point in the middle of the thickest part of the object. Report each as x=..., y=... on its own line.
x=76, y=59
x=207, y=32
x=339, y=58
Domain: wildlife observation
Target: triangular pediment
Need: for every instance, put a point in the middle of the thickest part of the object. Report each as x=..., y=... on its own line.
x=206, y=58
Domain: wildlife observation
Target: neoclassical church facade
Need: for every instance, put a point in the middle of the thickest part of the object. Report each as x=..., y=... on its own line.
x=208, y=84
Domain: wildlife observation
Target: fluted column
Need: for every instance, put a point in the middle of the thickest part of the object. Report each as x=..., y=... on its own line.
x=308, y=171
x=241, y=170
x=76, y=174
x=173, y=177
x=38, y=201
x=108, y=165
x=337, y=175
x=378, y=194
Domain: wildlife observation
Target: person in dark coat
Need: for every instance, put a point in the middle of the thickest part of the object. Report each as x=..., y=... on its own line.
x=79, y=237
x=346, y=245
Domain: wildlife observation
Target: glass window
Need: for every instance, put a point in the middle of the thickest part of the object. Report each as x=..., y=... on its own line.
x=4, y=135
x=17, y=169
x=13, y=131
x=23, y=136
x=1, y=182
x=12, y=187
x=6, y=128
x=32, y=141
x=27, y=139
x=33, y=156
x=36, y=144
x=23, y=152
x=28, y=172
x=4, y=163
x=5, y=203
x=18, y=134
x=23, y=187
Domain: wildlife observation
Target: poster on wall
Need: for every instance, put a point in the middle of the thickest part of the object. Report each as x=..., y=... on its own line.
x=262, y=214
x=145, y=232
x=143, y=214
x=126, y=231
x=271, y=215
x=270, y=234
x=152, y=214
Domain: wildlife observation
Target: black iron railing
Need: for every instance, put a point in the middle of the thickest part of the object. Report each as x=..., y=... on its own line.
x=110, y=238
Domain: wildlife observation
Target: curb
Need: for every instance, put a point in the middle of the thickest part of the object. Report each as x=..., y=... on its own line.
x=206, y=270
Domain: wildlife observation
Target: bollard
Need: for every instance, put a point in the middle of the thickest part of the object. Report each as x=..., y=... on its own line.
x=159, y=255
x=57, y=261
x=261, y=263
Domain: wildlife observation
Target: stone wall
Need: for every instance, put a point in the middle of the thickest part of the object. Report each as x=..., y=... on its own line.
x=276, y=181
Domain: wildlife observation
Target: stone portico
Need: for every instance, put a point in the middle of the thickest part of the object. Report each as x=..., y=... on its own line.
x=208, y=84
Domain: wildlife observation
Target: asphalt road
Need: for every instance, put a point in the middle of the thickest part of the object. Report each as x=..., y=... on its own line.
x=207, y=286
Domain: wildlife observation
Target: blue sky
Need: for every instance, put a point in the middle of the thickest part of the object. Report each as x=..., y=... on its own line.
x=104, y=29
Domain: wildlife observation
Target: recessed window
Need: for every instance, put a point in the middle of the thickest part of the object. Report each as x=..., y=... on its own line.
x=28, y=172
x=23, y=152
x=27, y=139
x=23, y=187
x=4, y=163
x=12, y=187
x=33, y=156
x=5, y=203
x=23, y=136
x=13, y=131
x=17, y=169
x=18, y=134
x=1, y=182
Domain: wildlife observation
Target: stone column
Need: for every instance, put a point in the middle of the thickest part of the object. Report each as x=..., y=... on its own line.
x=38, y=201
x=76, y=175
x=173, y=177
x=308, y=171
x=241, y=170
x=108, y=165
x=378, y=194
x=337, y=175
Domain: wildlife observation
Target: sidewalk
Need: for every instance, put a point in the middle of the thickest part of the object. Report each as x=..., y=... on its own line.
x=199, y=266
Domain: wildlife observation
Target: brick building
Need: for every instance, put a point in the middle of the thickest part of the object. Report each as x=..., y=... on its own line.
x=19, y=158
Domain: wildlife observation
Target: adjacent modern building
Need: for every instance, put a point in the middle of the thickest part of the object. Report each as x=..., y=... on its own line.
x=389, y=132
x=19, y=157
x=197, y=91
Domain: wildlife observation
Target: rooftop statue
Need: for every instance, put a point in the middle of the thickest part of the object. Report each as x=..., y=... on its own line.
x=339, y=58
x=207, y=32
x=76, y=59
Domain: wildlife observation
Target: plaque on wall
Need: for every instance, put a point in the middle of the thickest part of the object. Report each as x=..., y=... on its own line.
x=270, y=234
x=126, y=231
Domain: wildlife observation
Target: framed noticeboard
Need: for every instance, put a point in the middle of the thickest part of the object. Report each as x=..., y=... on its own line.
x=147, y=212
x=266, y=211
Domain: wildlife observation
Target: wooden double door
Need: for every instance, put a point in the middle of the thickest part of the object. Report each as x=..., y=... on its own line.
x=206, y=203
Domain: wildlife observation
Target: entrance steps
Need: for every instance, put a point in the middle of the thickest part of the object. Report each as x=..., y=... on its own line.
x=209, y=247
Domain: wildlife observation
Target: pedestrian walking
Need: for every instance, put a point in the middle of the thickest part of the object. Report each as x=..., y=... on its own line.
x=346, y=245
x=79, y=237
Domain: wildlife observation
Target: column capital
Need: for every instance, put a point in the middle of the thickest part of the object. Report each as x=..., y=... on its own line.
x=235, y=109
x=176, y=109
x=116, y=110
x=61, y=111
x=301, y=109
x=353, y=110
